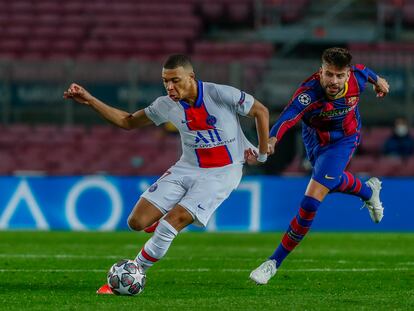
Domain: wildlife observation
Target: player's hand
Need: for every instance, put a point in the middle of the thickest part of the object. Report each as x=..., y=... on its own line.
x=78, y=93
x=250, y=156
x=271, y=145
x=382, y=87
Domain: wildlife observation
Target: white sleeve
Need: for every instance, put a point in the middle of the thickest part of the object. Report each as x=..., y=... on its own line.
x=157, y=111
x=237, y=99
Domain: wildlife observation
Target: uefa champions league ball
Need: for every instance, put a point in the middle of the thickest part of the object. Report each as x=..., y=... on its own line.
x=126, y=277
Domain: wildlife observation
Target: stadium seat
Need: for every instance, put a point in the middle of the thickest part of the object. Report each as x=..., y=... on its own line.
x=388, y=166
x=408, y=13
x=362, y=164
x=77, y=150
x=239, y=12
x=295, y=168
x=373, y=140
x=99, y=30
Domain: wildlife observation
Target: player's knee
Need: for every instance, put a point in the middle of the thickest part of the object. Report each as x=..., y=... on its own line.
x=136, y=223
x=179, y=218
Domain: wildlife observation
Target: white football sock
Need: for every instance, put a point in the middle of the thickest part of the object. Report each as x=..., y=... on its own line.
x=157, y=246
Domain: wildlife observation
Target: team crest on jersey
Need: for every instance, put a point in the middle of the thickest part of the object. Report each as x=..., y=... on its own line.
x=211, y=120
x=153, y=188
x=304, y=99
x=352, y=100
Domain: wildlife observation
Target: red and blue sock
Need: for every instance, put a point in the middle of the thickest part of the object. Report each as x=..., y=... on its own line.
x=298, y=228
x=351, y=184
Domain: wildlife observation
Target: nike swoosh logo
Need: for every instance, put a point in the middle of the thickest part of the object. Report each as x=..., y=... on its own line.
x=329, y=177
x=186, y=121
x=199, y=206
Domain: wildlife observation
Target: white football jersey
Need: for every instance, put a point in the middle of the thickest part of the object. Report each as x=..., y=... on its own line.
x=210, y=131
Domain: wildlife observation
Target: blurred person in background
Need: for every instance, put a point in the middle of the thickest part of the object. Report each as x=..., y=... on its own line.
x=213, y=144
x=327, y=103
x=400, y=143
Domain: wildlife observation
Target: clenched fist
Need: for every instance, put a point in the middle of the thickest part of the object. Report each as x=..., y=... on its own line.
x=78, y=93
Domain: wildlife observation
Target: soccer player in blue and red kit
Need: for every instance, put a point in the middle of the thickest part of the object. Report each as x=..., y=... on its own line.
x=327, y=103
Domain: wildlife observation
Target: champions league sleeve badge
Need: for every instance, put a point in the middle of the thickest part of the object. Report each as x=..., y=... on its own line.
x=304, y=99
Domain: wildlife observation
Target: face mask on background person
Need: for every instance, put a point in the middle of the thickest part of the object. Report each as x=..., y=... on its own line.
x=401, y=130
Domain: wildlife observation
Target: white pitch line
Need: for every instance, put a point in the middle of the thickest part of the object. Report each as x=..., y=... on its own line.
x=172, y=258
x=207, y=270
x=117, y=257
x=58, y=256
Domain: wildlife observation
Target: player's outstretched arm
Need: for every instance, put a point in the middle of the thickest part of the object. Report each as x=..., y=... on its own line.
x=381, y=87
x=261, y=114
x=116, y=116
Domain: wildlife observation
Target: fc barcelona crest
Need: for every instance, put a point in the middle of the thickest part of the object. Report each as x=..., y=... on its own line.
x=352, y=100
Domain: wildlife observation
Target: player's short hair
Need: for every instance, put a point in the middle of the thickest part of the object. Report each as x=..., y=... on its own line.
x=339, y=57
x=178, y=60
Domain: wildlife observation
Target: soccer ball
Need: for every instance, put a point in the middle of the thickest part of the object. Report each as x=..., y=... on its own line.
x=126, y=277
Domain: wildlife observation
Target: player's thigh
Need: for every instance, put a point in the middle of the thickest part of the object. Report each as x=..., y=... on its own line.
x=166, y=192
x=143, y=214
x=330, y=164
x=209, y=191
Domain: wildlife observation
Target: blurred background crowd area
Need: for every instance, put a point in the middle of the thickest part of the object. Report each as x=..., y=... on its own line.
x=116, y=50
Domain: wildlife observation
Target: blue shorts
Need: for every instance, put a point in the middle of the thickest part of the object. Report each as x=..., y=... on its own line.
x=329, y=162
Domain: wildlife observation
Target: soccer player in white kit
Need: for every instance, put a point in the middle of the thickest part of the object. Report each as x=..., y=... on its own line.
x=213, y=145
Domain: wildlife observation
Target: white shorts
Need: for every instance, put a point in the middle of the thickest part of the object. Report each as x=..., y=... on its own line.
x=199, y=191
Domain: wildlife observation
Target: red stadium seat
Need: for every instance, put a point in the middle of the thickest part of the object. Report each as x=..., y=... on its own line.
x=295, y=168
x=388, y=166
x=373, y=140
x=212, y=11
x=239, y=12
x=362, y=164
x=21, y=6
x=408, y=14
x=17, y=31
x=11, y=45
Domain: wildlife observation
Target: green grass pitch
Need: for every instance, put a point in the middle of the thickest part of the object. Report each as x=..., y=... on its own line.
x=209, y=271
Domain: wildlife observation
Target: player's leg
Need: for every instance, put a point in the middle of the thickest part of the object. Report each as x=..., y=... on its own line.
x=155, y=202
x=298, y=227
x=328, y=165
x=302, y=222
x=143, y=215
x=348, y=183
x=168, y=228
x=197, y=205
x=351, y=184
x=368, y=191
x=156, y=247
x=163, y=195
x=152, y=228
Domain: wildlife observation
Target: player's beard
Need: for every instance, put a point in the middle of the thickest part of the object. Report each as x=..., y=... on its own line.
x=333, y=90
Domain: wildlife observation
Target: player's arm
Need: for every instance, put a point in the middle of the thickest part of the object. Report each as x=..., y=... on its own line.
x=116, y=116
x=291, y=115
x=379, y=84
x=381, y=87
x=261, y=115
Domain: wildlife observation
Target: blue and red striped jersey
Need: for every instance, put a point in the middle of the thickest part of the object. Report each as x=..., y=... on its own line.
x=325, y=120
